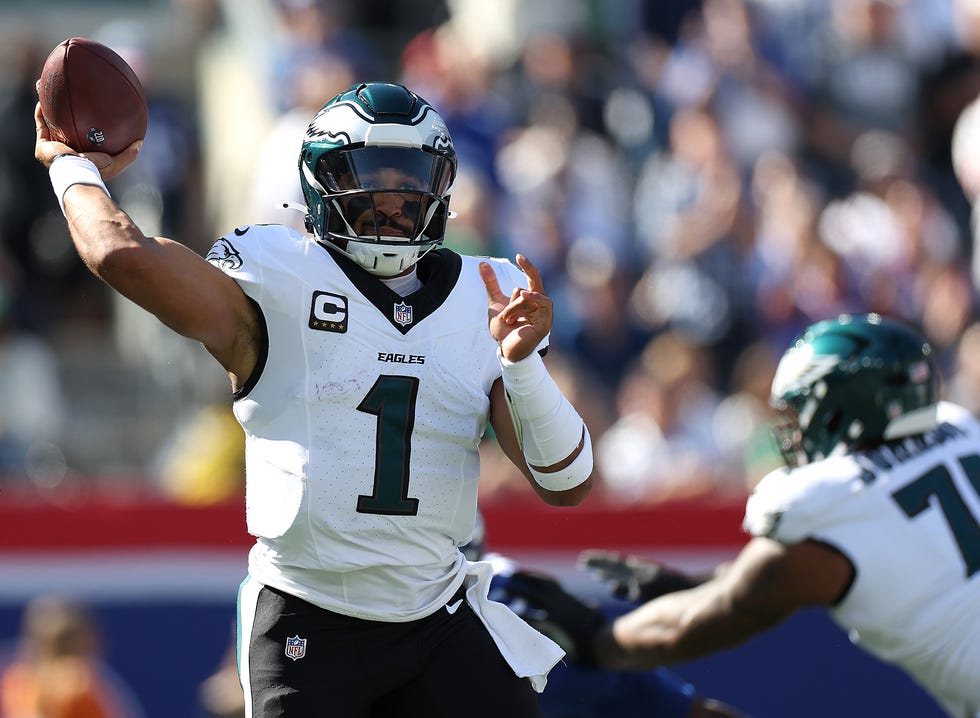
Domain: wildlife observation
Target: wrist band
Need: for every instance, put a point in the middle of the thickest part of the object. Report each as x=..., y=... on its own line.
x=547, y=425
x=68, y=170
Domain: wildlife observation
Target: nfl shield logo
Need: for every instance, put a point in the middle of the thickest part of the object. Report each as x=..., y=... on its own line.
x=295, y=647
x=403, y=314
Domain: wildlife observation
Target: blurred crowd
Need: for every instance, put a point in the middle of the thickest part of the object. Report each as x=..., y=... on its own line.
x=697, y=179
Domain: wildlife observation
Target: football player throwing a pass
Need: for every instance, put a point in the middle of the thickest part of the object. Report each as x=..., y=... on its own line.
x=365, y=365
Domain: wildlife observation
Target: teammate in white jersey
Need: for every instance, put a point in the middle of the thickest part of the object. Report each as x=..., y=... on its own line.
x=365, y=365
x=876, y=518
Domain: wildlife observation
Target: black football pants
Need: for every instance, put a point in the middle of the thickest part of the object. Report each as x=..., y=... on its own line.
x=443, y=666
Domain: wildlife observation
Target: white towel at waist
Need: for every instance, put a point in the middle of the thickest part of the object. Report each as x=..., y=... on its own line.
x=529, y=653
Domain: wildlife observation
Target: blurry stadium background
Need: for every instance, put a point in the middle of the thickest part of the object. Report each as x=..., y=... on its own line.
x=697, y=179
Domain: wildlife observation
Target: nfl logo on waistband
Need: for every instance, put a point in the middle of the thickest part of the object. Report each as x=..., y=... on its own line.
x=403, y=314
x=295, y=647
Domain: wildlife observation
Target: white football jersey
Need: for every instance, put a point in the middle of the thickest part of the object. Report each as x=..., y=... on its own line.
x=362, y=422
x=907, y=515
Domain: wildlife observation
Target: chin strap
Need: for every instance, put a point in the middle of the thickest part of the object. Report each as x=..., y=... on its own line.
x=307, y=218
x=297, y=206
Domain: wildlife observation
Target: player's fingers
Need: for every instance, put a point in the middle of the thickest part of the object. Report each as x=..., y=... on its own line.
x=101, y=160
x=111, y=165
x=129, y=154
x=489, y=278
x=40, y=126
x=517, y=307
x=534, y=282
x=46, y=150
x=530, y=305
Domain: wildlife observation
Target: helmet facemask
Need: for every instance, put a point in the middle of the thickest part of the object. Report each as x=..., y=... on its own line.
x=788, y=437
x=384, y=207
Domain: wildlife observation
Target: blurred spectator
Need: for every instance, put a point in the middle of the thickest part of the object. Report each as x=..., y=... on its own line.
x=866, y=78
x=58, y=671
x=963, y=386
x=204, y=461
x=276, y=174
x=309, y=30
x=609, y=336
x=220, y=695
x=966, y=165
x=948, y=85
x=786, y=203
x=891, y=233
x=686, y=196
x=743, y=421
x=33, y=407
x=474, y=229
x=686, y=205
x=32, y=233
x=661, y=444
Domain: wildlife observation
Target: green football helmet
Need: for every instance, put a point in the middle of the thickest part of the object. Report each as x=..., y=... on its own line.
x=852, y=382
x=376, y=168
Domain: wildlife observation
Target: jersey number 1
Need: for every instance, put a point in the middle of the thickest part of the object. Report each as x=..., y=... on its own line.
x=392, y=401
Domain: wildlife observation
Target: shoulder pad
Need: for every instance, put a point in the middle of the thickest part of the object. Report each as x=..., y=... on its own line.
x=245, y=244
x=789, y=505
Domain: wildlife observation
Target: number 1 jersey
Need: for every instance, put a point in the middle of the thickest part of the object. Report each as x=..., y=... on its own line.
x=362, y=422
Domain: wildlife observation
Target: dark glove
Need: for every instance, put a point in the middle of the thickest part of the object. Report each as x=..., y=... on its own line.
x=545, y=605
x=633, y=578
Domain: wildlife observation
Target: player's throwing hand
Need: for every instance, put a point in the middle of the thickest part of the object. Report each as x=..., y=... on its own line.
x=46, y=150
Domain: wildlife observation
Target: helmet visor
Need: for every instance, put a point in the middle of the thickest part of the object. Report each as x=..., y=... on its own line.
x=386, y=195
x=385, y=168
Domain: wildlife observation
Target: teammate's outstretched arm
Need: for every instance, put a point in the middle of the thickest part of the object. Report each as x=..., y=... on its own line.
x=164, y=277
x=536, y=426
x=766, y=583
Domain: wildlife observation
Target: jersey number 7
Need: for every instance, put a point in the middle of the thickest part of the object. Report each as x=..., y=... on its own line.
x=914, y=499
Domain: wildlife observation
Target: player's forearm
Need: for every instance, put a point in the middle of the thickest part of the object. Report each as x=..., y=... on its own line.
x=676, y=627
x=102, y=233
x=104, y=236
x=553, y=437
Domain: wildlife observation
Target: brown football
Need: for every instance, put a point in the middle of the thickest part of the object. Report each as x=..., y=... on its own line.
x=90, y=97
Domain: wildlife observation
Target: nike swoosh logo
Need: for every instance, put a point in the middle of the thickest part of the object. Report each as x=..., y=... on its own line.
x=453, y=607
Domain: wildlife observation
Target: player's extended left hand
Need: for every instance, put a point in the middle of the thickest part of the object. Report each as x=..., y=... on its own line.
x=518, y=322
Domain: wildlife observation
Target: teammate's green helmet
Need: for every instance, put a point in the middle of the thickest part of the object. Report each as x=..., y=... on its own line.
x=852, y=382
